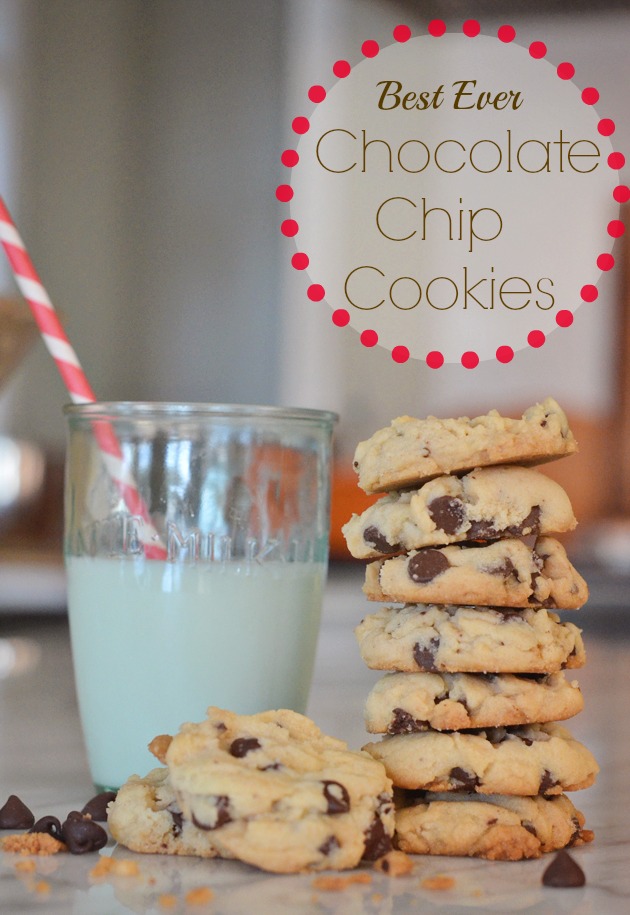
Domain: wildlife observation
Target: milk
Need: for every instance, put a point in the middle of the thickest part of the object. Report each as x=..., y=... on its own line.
x=155, y=643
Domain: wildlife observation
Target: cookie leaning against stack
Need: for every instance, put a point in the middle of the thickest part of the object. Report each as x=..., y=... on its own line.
x=477, y=656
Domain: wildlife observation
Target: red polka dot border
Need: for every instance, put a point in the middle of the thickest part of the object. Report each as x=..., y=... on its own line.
x=341, y=69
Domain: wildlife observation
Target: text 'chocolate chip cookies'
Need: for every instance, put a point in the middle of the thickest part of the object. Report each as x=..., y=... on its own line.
x=476, y=659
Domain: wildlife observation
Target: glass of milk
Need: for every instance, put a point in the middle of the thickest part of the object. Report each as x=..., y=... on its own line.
x=196, y=547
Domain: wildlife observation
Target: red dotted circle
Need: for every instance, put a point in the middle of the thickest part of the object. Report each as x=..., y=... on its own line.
x=616, y=228
x=289, y=228
x=471, y=28
x=505, y=354
x=437, y=27
x=470, y=360
x=590, y=95
x=435, y=359
x=400, y=354
x=290, y=157
x=564, y=318
x=316, y=292
x=402, y=33
x=622, y=193
x=537, y=49
x=536, y=338
x=565, y=70
x=317, y=94
x=369, y=338
x=300, y=261
x=341, y=69
x=506, y=33
x=605, y=262
x=340, y=317
x=370, y=48
x=284, y=193
x=589, y=293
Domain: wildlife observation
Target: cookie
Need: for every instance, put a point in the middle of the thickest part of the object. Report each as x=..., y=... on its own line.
x=504, y=573
x=485, y=504
x=146, y=817
x=411, y=451
x=461, y=639
x=497, y=827
x=525, y=760
x=402, y=703
x=273, y=791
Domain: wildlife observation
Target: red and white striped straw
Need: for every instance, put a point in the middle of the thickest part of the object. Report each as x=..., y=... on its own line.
x=74, y=377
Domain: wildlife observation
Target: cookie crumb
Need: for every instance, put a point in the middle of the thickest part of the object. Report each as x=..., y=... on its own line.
x=32, y=843
x=167, y=901
x=42, y=887
x=336, y=884
x=159, y=745
x=439, y=882
x=101, y=868
x=201, y=895
x=394, y=864
x=24, y=867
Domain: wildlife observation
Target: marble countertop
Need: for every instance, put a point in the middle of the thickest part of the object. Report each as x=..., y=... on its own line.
x=42, y=761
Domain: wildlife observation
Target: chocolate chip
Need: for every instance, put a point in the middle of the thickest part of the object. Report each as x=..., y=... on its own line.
x=563, y=872
x=506, y=569
x=530, y=828
x=424, y=656
x=48, y=824
x=447, y=513
x=528, y=526
x=96, y=807
x=465, y=781
x=81, y=834
x=377, y=842
x=547, y=782
x=222, y=804
x=376, y=539
x=481, y=530
x=337, y=797
x=243, y=745
x=329, y=845
x=404, y=723
x=178, y=820
x=426, y=565
x=15, y=814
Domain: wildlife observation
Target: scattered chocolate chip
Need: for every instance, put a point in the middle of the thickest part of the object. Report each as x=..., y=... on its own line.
x=377, y=842
x=424, y=655
x=505, y=569
x=271, y=766
x=481, y=530
x=464, y=780
x=48, y=824
x=563, y=872
x=492, y=821
x=337, y=797
x=547, y=782
x=329, y=845
x=243, y=745
x=447, y=513
x=404, y=723
x=178, y=820
x=96, y=807
x=15, y=814
x=81, y=834
x=528, y=526
x=223, y=814
x=426, y=565
x=375, y=538
x=530, y=828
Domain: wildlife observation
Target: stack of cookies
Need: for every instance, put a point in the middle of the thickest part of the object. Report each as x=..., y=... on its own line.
x=475, y=652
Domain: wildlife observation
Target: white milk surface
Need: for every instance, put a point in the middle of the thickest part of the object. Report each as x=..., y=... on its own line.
x=155, y=643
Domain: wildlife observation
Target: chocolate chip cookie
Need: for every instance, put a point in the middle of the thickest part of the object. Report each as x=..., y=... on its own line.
x=273, y=791
x=411, y=451
x=525, y=760
x=462, y=639
x=485, y=504
x=497, y=827
x=503, y=573
x=402, y=703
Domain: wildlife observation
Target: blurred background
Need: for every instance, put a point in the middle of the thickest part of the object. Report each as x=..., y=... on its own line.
x=140, y=147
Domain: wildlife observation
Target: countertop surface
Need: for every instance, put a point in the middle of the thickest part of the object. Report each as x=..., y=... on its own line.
x=42, y=761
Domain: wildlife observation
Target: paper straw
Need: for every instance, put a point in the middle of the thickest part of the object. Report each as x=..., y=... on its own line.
x=74, y=377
